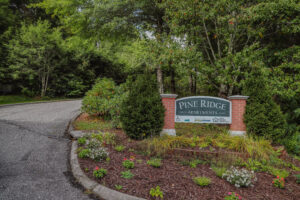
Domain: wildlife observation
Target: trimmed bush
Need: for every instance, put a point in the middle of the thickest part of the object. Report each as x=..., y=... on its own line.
x=142, y=112
x=96, y=101
x=263, y=116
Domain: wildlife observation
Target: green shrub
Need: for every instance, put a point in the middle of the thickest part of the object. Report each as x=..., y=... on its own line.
x=292, y=144
x=96, y=101
x=127, y=174
x=202, y=181
x=142, y=112
x=156, y=192
x=263, y=116
x=81, y=141
x=84, y=153
x=99, y=173
x=115, y=105
x=154, y=162
x=128, y=164
x=119, y=148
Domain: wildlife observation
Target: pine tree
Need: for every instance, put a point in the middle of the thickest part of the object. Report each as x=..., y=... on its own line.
x=142, y=113
x=263, y=116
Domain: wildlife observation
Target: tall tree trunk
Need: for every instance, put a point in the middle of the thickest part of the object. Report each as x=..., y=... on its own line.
x=222, y=91
x=160, y=80
x=173, y=85
x=191, y=83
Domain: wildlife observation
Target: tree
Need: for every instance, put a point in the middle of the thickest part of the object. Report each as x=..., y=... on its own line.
x=142, y=113
x=34, y=54
x=263, y=116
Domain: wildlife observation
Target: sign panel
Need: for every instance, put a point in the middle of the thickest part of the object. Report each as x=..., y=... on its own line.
x=203, y=109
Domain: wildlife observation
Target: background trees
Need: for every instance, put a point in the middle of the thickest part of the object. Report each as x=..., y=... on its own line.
x=193, y=47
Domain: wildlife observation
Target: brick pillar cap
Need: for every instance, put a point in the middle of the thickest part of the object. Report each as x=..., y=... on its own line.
x=168, y=95
x=238, y=97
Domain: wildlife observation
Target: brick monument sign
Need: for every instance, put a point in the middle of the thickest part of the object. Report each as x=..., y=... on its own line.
x=204, y=109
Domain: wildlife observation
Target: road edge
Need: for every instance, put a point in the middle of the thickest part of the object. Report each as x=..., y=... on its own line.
x=37, y=102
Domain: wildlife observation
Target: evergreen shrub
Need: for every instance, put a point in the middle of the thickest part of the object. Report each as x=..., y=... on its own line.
x=263, y=116
x=142, y=112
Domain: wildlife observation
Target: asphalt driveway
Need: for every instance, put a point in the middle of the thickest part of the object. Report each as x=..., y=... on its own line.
x=34, y=152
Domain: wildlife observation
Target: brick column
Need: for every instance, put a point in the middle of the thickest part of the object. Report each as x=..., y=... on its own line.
x=237, y=126
x=168, y=101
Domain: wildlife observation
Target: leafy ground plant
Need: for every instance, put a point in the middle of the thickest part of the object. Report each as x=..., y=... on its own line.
x=99, y=173
x=81, y=141
x=298, y=178
x=127, y=174
x=84, y=153
x=239, y=177
x=118, y=187
x=278, y=182
x=128, y=164
x=233, y=196
x=154, y=162
x=156, y=192
x=119, y=148
x=202, y=181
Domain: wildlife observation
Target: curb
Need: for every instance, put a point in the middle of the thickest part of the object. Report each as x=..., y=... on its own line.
x=71, y=131
x=37, y=102
x=99, y=190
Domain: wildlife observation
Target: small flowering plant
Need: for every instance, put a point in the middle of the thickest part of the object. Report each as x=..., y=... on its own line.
x=128, y=163
x=233, y=196
x=99, y=173
x=239, y=177
x=278, y=182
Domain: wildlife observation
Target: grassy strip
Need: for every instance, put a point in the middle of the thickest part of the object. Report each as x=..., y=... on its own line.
x=13, y=99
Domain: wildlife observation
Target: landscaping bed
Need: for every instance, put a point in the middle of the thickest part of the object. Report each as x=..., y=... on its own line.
x=177, y=170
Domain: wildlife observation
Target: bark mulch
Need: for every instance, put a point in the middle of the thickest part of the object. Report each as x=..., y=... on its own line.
x=175, y=180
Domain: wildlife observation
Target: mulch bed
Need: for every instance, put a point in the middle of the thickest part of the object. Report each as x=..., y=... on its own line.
x=175, y=180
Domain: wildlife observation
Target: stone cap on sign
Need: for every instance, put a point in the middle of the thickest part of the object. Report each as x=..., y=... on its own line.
x=238, y=97
x=168, y=95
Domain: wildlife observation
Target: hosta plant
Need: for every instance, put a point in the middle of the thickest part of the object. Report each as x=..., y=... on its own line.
x=239, y=177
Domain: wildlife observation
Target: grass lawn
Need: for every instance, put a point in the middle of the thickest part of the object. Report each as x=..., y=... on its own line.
x=11, y=99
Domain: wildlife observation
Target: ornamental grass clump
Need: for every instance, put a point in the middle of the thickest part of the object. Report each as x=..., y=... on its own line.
x=202, y=181
x=239, y=177
x=154, y=162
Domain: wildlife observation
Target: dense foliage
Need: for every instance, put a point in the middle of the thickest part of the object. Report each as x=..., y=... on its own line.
x=194, y=47
x=142, y=113
x=263, y=116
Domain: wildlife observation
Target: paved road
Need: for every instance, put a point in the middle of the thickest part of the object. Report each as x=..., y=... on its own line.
x=34, y=152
